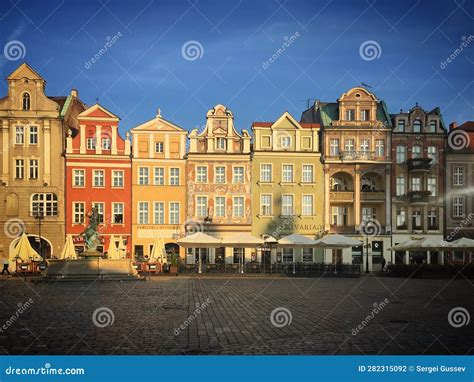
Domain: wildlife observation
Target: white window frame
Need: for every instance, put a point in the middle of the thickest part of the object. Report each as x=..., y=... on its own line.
x=416, y=183
x=458, y=176
x=100, y=206
x=334, y=147
x=106, y=144
x=219, y=208
x=236, y=177
x=121, y=177
x=220, y=177
x=287, y=209
x=159, y=147
x=401, y=154
x=459, y=203
x=201, y=177
x=263, y=172
x=19, y=135
x=432, y=186
x=33, y=132
x=380, y=147
x=33, y=164
x=76, y=215
x=158, y=212
x=91, y=143
x=401, y=186
x=307, y=209
x=202, y=208
x=238, y=209
x=143, y=176
x=307, y=173
x=158, y=176
x=143, y=214
x=173, y=212
x=266, y=207
x=173, y=177
x=96, y=176
x=287, y=173
x=415, y=154
x=118, y=211
x=76, y=174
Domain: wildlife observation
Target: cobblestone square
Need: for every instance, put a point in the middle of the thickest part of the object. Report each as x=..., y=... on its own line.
x=233, y=315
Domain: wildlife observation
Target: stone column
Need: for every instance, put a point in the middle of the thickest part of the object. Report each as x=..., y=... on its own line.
x=357, y=198
x=388, y=215
x=327, y=193
x=47, y=152
x=114, y=140
x=82, y=148
x=98, y=138
x=167, y=146
x=6, y=143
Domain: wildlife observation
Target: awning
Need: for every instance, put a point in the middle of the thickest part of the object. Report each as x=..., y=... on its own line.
x=408, y=245
x=242, y=240
x=462, y=244
x=295, y=241
x=199, y=240
x=23, y=251
x=337, y=241
x=68, y=252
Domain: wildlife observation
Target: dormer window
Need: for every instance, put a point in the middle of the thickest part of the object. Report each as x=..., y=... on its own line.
x=364, y=115
x=401, y=126
x=285, y=142
x=350, y=115
x=105, y=143
x=26, y=101
x=220, y=143
x=432, y=127
x=90, y=143
x=158, y=147
x=417, y=126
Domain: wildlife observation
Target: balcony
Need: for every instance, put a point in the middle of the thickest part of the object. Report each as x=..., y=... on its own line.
x=372, y=196
x=357, y=155
x=418, y=196
x=419, y=164
x=341, y=196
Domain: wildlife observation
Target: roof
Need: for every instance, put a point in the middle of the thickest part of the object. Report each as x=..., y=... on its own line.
x=60, y=100
x=467, y=126
x=270, y=124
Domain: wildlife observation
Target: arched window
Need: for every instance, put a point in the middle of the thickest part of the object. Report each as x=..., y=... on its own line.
x=367, y=184
x=417, y=126
x=339, y=184
x=44, y=204
x=26, y=101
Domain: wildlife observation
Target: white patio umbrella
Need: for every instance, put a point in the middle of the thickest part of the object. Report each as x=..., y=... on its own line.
x=24, y=251
x=408, y=245
x=337, y=241
x=112, y=252
x=295, y=240
x=69, y=251
x=463, y=243
x=242, y=240
x=158, y=252
x=122, y=249
x=199, y=240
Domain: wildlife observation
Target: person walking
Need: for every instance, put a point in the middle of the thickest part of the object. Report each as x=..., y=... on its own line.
x=5, y=267
x=383, y=263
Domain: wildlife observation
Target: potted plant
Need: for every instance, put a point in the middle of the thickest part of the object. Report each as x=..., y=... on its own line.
x=173, y=268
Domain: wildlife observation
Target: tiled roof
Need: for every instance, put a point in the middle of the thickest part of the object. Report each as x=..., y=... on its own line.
x=302, y=124
x=467, y=126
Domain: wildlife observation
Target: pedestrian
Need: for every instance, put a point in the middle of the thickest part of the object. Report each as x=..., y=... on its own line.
x=383, y=263
x=5, y=267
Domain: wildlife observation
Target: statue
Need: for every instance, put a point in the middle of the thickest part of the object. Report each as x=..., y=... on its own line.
x=90, y=234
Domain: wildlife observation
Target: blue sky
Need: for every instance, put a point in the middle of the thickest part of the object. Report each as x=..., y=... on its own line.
x=145, y=68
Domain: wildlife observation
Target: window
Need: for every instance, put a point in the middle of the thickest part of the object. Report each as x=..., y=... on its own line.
x=158, y=147
x=105, y=143
x=308, y=255
x=90, y=143
x=238, y=206
x=458, y=206
x=201, y=206
x=339, y=216
x=19, y=168
x=220, y=143
x=100, y=211
x=338, y=184
x=416, y=152
x=432, y=153
x=287, y=205
x=201, y=174
x=432, y=219
x=219, y=174
x=219, y=210
x=458, y=176
x=350, y=114
x=265, y=173
x=285, y=141
x=416, y=184
x=143, y=176
x=98, y=176
x=349, y=145
x=417, y=126
x=79, y=213
x=174, y=213
x=401, y=126
x=19, y=135
x=33, y=169
x=401, y=218
x=26, y=101
x=287, y=175
x=174, y=176
x=401, y=154
x=432, y=128
x=307, y=209
x=238, y=175
x=117, y=213
x=79, y=178
x=159, y=213
x=416, y=219
x=364, y=115
x=117, y=178
x=265, y=205
x=401, y=186
x=142, y=212
x=365, y=145
x=432, y=186
x=46, y=204
x=159, y=176
x=33, y=135
x=307, y=173
x=379, y=147
x=334, y=147
x=287, y=255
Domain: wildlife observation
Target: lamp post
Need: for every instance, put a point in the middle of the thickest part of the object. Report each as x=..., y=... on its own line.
x=38, y=214
x=367, y=246
x=207, y=222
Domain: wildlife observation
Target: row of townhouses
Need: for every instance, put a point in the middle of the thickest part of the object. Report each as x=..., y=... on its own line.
x=345, y=167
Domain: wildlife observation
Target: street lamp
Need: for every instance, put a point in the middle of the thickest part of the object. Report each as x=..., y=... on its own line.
x=367, y=246
x=38, y=215
x=207, y=222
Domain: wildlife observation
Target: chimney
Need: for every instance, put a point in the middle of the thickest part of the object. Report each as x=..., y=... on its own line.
x=452, y=126
x=74, y=93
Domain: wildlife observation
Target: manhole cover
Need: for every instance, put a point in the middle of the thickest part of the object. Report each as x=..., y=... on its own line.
x=399, y=321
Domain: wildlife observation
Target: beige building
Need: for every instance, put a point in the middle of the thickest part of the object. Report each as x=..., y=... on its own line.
x=33, y=128
x=218, y=187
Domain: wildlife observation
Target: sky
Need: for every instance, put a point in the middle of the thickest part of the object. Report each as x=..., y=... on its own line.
x=260, y=58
